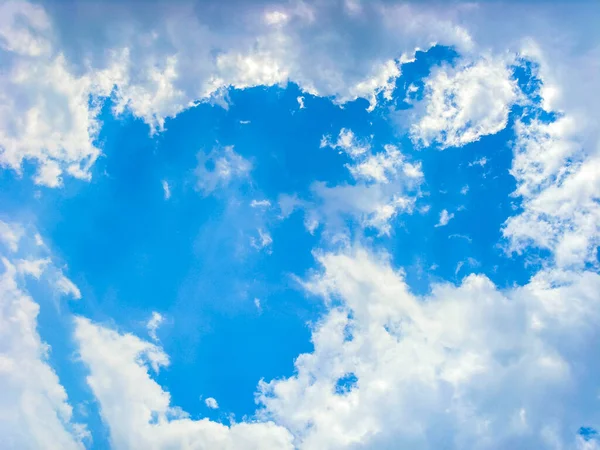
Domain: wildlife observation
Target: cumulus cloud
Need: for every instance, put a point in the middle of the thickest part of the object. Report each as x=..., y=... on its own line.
x=156, y=68
x=34, y=406
x=211, y=403
x=137, y=410
x=219, y=167
x=559, y=183
x=556, y=153
x=463, y=103
x=467, y=366
x=48, y=114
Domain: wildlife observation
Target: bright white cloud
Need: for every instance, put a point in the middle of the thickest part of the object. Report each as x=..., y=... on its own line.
x=218, y=168
x=464, y=103
x=348, y=143
x=300, y=100
x=445, y=217
x=559, y=184
x=384, y=167
x=34, y=408
x=160, y=67
x=211, y=403
x=48, y=114
x=468, y=366
x=137, y=410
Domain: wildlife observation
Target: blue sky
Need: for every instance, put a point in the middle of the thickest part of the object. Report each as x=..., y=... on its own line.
x=278, y=234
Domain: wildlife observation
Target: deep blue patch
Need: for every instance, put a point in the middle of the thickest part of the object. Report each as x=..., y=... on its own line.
x=345, y=384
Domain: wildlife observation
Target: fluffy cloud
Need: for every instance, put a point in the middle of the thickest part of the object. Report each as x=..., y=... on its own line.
x=48, y=114
x=558, y=179
x=468, y=366
x=385, y=184
x=157, y=67
x=211, y=403
x=34, y=409
x=463, y=103
x=137, y=410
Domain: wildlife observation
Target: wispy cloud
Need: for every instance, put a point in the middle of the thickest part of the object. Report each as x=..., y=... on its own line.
x=445, y=217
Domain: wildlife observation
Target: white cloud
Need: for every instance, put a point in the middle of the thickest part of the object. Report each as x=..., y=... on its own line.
x=211, y=403
x=461, y=104
x=264, y=241
x=386, y=184
x=154, y=322
x=257, y=304
x=32, y=258
x=260, y=203
x=468, y=366
x=479, y=162
x=66, y=286
x=381, y=80
x=166, y=189
x=48, y=114
x=300, y=100
x=11, y=234
x=137, y=410
x=33, y=267
x=348, y=143
x=445, y=217
x=170, y=64
x=218, y=168
x=465, y=189
x=160, y=67
x=374, y=206
x=34, y=406
x=559, y=183
x=384, y=167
